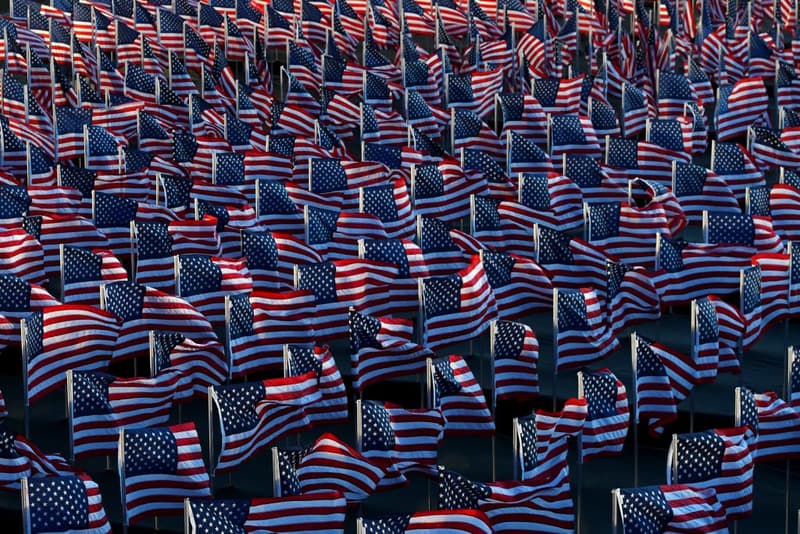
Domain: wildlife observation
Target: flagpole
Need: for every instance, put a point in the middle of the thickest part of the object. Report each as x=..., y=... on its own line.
x=788, y=362
x=492, y=334
x=579, y=439
x=25, y=395
x=693, y=336
x=555, y=346
x=634, y=353
x=614, y=510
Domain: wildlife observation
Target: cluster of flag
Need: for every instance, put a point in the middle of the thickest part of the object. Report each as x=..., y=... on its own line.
x=432, y=160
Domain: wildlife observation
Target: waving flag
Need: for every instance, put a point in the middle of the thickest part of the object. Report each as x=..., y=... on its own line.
x=467, y=521
x=573, y=134
x=474, y=91
x=523, y=155
x=442, y=190
x=671, y=508
x=570, y=262
x=606, y=425
x=740, y=106
x=634, y=109
x=583, y=336
x=631, y=295
x=204, y=281
x=520, y=286
x=558, y=95
x=775, y=425
x=69, y=503
x=698, y=189
x=753, y=232
x=332, y=406
x=523, y=115
x=256, y=415
x=719, y=459
x=83, y=271
x=160, y=467
x=458, y=394
x=515, y=351
x=469, y=131
x=734, y=164
x=199, y=364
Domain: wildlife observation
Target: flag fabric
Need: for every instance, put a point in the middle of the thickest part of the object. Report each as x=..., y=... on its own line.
x=735, y=165
x=699, y=189
x=21, y=254
x=775, y=284
x=523, y=115
x=382, y=348
x=671, y=508
x=755, y=232
x=594, y=182
x=583, y=335
x=84, y=270
x=515, y=351
x=70, y=503
x=550, y=200
x=442, y=190
x=21, y=458
x=304, y=514
x=767, y=149
x=570, y=262
x=558, y=95
x=443, y=521
x=498, y=232
x=719, y=459
x=458, y=394
x=631, y=295
x=457, y=306
x=199, y=364
x=204, y=281
x=332, y=406
x=103, y=404
x=739, y=106
x=573, y=134
x=606, y=425
x=474, y=91
x=160, y=468
x=523, y=156
x=255, y=415
x=411, y=265
x=634, y=110
x=18, y=299
x=63, y=337
x=774, y=423
x=520, y=286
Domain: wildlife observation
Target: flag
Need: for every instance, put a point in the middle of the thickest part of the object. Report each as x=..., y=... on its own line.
x=331, y=464
x=204, y=281
x=751, y=232
x=381, y=348
x=391, y=203
x=442, y=190
x=719, y=459
x=671, y=134
x=21, y=458
x=18, y=299
x=462, y=521
x=768, y=149
x=523, y=156
x=673, y=92
x=498, y=232
x=83, y=271
x=774, y=423
x=332, y=406
x=199, y=364
x=634, y=110
x=550, y=200
x=474, y=91
x=21, y=254
x=750, y=306
x=404, y=440
x=583, y=335
x=787, y=86
x=671, y=508
x=775, y=284
x=469, y=131
x=606, y=425
x=523, y=115
x=595, y=184
x=734, y=164
x=340, y=284
x=160, y=467
x=740, y=105
x=67, y=336
x=411, y=264
x=570, y=262
x=103, y=404
x=732, y=327
x=603, y=118
x=256, y=415
x=573, y=134
x=271, y=258
x=305, y=514
x=520, y=286
x=458, y=394
x=141, y=308
x=558, y=95
x=70, y=503
x=699, y=189
x=631, y=295
x=457, y=306
x=515, y=351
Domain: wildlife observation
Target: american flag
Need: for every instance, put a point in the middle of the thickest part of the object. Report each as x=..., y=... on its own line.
x=735, y=165
x=523, y=115
x=699, y=189
x=103, y=404
x=141, y=308
x=271, y=258
x=752, y=232
x=574, y=134
x=67, y=336
x=426, y=118
x=671, y=134
x=382, y=348
x=739, y=106
x=331, y=464
x=21, y=255
x=453, y=388
x=523, y=156
x=784, y=200
x=332, y=406
x=498, y=232
x=101, y=149
x=276, y=209
x=69, y=130
x=19, y=299
x=83, y=270
x=515, y=351
x=520, y=286
x=69, y=503
x=306, y=514
x=673, y=92
x=732, y=328
x=467, y=521
x=199, y=364
x=457, y=306
x=337, y=285
x=21, y=458
x=557, y=95
x=671, y=508
x=160, y=467
x=631, y=295
x=595, y=184
x=570, y=262
x=405, y=440
x=634, y=110
x=470, y=131
x=256, y=415
x=444, y=249
x=775, y=285
x=719, y=459
x=391, y=203
x=606, y=425
x=582, y=335
x=751, y=299
x=410, y=262
x=474, y=91
x=482, y=169
x=603, y=118
x=627, y=232
x=774, y=423
x=204, y=281
x=768, y=149
x=631, y=158
x=787, y=86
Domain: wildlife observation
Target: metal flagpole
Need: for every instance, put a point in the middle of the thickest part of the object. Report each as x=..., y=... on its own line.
x=634, y=353
x=492, y=334
x=579, y=497
x=555, y=347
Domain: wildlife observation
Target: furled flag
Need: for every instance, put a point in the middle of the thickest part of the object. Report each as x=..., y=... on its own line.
x=673, y=92
x=498, y=232
x=160, y=467
x=671, y=508
x=103, y=404
x=304, y=514
x=332, y=407
x=63, y=337
x=83, y=271
x=774, y=423
x=142, y=309
x=751, y=232
x=332, y=465
x=199, y=364
x=404, y=440
x=205, y=281
x=457, y=307
x=606, y=425
x=454, y=389
x=582, y=334
x=719, y=459
x=512, y=507
x=382, y=348
x=255, y=415
x=603, y=117
x=631, y=296
x=462, y=521
x=69, y=503
x=740, y=106
x=515, y=351
x=520, y=286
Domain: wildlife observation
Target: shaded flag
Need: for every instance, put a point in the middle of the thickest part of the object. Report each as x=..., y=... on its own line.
x=468, y=521
x=255, y=415
x=83, y=271
x=381, y=348
x=523, y=115
x=442, y=190
x=69, y=503
x=674, y=90
x=332, y=406
x=454, y=389
x=474, y=91
x=775, y=274
x=670, y=508
x=634, y=110
x=391, y=203
x=18, y=299
x=520, y=286
x=631, y=295
x=103, y=404
x=606, y=425
x=573, y=134
x=595, y=184
x=469, y=131
x=271, y=258
x=199, y=363
x=21, y=255
x=719, y=459
x=168, y=459
x=583, y=335
x=523, y=155
x=515, y=350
